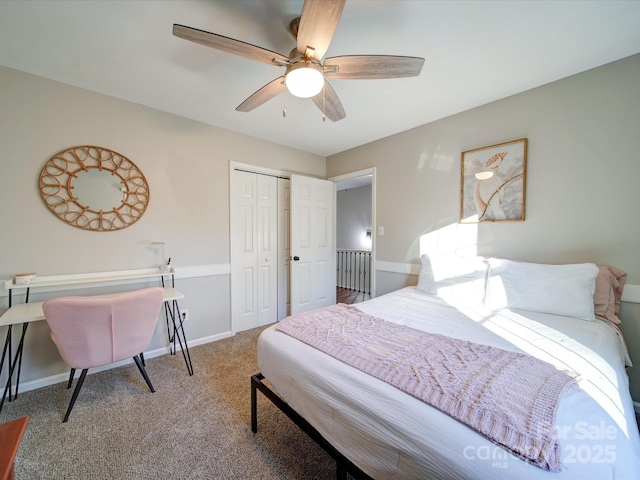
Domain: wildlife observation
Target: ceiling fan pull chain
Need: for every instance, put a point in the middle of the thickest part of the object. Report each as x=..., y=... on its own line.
x=284, y=106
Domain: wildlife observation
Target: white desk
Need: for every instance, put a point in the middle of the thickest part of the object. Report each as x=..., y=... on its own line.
x=32, y=312
x=25, y=313
x=119, y=277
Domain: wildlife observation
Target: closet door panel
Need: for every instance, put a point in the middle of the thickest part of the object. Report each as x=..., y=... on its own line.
x=244, y=243
x=267, y=245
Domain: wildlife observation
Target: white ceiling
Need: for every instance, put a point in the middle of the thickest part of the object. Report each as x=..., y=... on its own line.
x=476, y=52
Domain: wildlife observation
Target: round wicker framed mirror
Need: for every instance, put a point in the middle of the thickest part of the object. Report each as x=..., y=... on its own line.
x=94, y=188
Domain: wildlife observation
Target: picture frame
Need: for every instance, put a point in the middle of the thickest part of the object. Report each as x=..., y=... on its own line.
x=493, y=183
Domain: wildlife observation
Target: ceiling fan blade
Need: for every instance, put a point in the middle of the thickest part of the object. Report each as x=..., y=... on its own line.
x=329, y=103
x=266, y=93
x=373, y=66
x=318, y=23
x=228, y=45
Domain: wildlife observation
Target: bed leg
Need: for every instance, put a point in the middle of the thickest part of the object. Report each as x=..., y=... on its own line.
x=254, y=402
x=341, y=472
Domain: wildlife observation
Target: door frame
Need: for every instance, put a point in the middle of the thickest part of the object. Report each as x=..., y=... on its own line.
x=361, y=173
x=235, y=165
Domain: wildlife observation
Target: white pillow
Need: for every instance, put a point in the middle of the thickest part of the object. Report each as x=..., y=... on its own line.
x=565, y=290
x=460, y=279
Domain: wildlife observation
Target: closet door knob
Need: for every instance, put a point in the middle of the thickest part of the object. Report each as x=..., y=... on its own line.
x=296, y=258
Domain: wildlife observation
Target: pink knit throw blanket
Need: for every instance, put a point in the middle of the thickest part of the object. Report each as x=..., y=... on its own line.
x=510, y=398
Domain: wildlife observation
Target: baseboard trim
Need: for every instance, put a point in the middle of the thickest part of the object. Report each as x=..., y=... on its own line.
x=63, y=377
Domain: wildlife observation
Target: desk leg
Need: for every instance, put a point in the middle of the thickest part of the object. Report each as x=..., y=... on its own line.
x=167, y=315
x=180, y=330
x=19, y=357
x=6, y=354
x=177, y=333
x=14, y=365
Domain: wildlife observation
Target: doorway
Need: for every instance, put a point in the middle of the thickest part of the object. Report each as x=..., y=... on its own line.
x=355, y=236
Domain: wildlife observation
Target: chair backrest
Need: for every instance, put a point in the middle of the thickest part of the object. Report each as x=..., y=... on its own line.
x=94, y=331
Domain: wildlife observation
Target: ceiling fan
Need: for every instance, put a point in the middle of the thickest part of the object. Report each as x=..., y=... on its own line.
x=306, y=74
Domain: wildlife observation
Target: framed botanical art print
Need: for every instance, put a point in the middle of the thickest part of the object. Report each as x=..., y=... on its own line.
x=493, y=181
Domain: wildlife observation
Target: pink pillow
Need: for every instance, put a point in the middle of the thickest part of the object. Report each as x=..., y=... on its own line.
x=606, y=299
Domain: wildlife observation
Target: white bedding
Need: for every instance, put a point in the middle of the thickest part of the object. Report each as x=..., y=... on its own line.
x=389, y=434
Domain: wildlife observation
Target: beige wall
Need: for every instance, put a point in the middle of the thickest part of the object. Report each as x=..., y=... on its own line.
x=353, y=218
x=186, y=164
x=583, y=179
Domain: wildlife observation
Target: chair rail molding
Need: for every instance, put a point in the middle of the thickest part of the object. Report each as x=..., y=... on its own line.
x=54, y=283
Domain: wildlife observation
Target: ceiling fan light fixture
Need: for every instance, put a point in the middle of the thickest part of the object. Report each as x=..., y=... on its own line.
x=304, y=79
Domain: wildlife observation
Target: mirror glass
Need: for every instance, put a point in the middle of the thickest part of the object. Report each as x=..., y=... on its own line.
x=98, y=189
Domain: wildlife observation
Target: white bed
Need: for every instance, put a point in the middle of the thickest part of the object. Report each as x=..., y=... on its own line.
x=389, y=434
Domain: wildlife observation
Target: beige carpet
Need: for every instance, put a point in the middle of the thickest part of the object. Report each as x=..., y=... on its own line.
x=191, y=428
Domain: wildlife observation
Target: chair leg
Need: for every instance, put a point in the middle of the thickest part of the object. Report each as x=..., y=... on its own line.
x=71, y=374
x=75, y=394
x=143, y=372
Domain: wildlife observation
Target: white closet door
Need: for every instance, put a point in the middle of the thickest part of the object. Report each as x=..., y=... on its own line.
x=267, y=258
x=312, y=244
x=254, y=250
x=284, y=246
x=244, y=283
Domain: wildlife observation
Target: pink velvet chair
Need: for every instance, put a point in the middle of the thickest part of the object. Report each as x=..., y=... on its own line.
x=94, y=331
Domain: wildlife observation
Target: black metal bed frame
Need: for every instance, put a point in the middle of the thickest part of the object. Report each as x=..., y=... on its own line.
x=343, y=464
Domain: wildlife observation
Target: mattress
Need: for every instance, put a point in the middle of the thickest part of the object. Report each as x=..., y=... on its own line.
x=389, y=434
